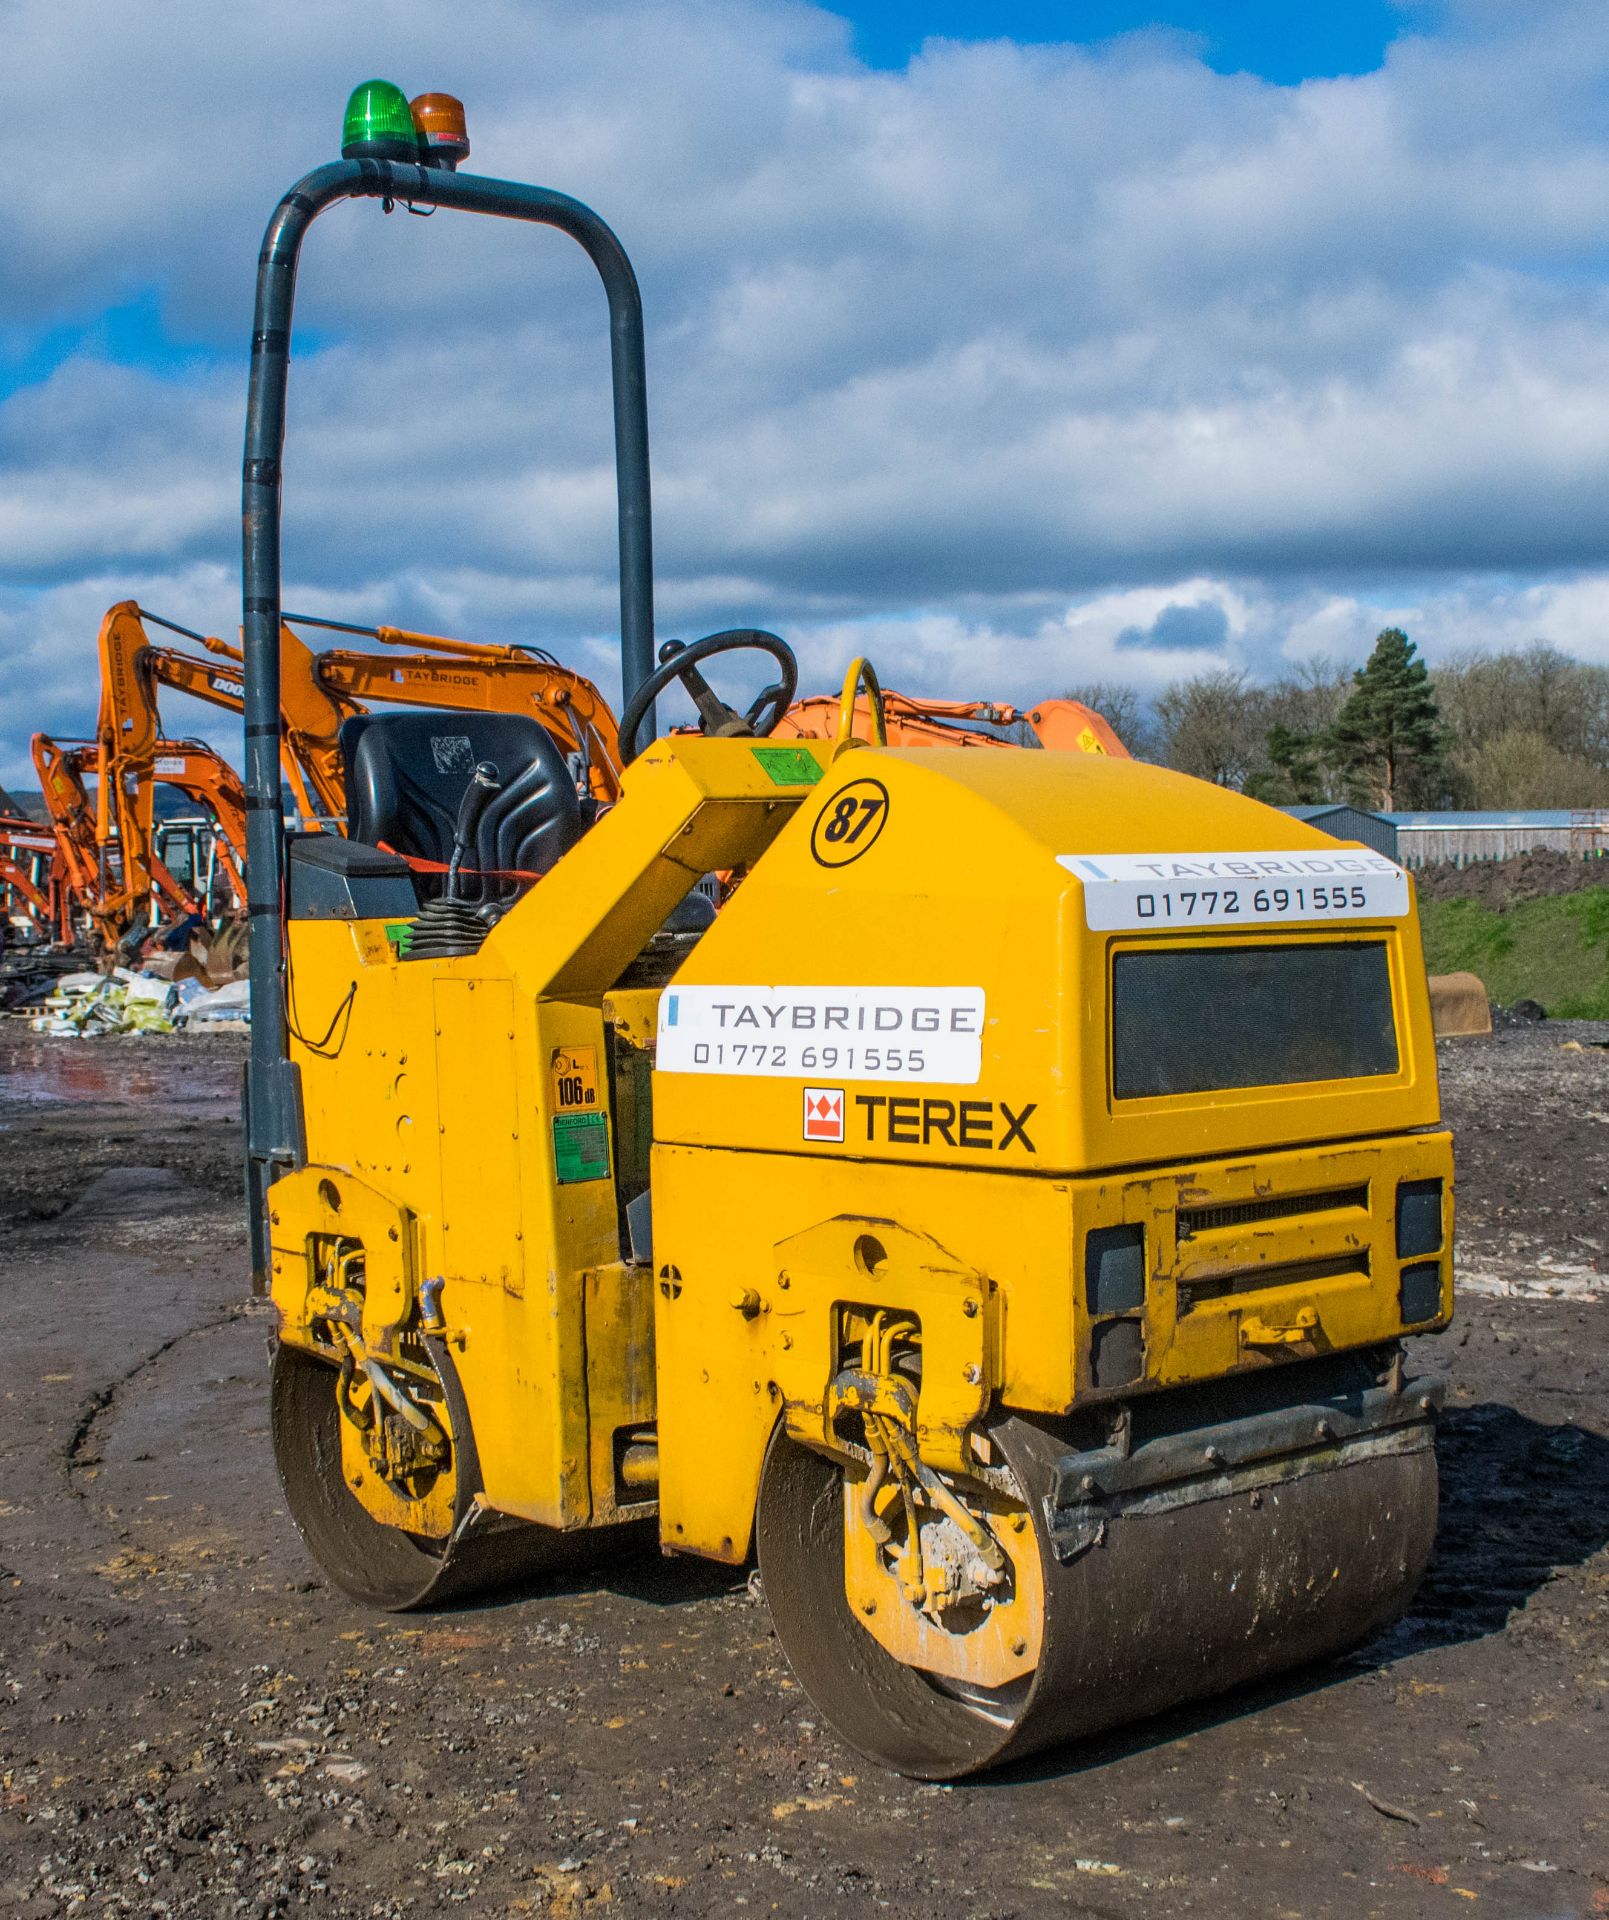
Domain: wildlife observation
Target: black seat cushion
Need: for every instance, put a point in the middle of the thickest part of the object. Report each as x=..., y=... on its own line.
x=405, y=778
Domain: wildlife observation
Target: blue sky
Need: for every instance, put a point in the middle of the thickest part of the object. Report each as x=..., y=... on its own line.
x=1280, y=40
x=129, y=333
x=1018, y=362
x=1272, y=39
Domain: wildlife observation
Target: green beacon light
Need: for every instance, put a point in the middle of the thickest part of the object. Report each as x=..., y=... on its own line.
x=379, y=124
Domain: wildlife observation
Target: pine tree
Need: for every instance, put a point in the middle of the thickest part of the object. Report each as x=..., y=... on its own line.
x=1294, y=775
x=1389, y=736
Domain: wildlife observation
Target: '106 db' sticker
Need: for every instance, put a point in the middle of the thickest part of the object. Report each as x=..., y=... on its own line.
x=851, y=1033
x=1124, y=892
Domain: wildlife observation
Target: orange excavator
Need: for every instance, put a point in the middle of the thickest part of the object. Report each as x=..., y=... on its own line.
x=29, y=875
x=61, y=766
x=106, y=844
x=1065, y=725
x=320, y=691
x=465, y=676
x=133, y=667
x=115, y=876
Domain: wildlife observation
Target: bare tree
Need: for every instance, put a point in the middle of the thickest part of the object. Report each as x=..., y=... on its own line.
x=1529, y=727
x=1523, y=769
x=1309, y=699
x=1526, y=728
x=1214, y=726
x=1536, y=690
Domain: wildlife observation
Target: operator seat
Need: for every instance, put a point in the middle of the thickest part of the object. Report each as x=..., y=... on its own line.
x=405, y=777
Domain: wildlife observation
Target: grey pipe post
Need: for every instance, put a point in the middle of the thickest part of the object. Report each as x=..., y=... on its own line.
x=273, y=1104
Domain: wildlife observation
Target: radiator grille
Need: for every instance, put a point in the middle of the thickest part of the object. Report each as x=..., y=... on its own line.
x=1265, y=1278
x=1285, y=1206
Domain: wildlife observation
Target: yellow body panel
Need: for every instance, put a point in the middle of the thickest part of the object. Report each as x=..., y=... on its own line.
x=962, y=888
x=476, y=1098
x=447, y=1083
x=1006, y=1242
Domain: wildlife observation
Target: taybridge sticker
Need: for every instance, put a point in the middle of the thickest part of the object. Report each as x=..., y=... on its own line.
x=1124, y=892
x=852, y=1033
x=849, y=823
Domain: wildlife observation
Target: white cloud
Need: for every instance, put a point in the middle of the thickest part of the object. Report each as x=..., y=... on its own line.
x=984, y=364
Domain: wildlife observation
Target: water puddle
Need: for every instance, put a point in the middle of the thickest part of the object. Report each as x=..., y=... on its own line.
x=88, y=1073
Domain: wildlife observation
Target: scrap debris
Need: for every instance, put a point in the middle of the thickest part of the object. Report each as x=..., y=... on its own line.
x=89, y=1005
x=1385, y=1806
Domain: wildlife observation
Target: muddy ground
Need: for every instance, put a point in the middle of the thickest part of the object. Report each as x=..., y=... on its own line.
x=192, y=1723
x=1500, y=884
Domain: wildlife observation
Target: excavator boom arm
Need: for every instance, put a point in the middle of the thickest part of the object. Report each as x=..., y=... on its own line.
x=470, y=678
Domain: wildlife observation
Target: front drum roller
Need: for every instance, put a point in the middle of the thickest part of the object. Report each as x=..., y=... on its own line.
x=1159, y=1587
x=381, y=1565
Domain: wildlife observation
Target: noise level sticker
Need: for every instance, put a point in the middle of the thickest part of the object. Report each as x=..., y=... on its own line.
x=575, y=1078
x=852, y=1033
x=1125, y=892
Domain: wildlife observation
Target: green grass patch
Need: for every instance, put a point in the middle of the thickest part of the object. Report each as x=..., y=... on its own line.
x=1555, y=952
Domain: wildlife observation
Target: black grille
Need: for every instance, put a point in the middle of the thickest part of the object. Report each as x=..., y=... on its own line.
x=1265, y=1278
x=1208, y=1019
x=1243, y=1213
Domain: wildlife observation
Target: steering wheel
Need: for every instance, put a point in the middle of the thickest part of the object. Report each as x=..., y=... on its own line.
x=716, y=720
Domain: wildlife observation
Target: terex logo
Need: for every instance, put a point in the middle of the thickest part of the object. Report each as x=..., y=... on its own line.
x=985, y=1126
x=824, y=1113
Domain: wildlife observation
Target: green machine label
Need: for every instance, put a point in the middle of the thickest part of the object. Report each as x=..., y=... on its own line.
x=580, y=1147
x=788, y=766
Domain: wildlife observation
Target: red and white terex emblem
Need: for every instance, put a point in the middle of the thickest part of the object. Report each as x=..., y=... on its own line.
x=824, y=1113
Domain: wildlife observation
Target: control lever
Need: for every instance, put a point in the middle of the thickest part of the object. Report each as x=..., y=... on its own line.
x=483, y=783
x=718, y=720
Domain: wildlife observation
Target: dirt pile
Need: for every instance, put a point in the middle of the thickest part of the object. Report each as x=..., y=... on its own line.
x=1499, y=884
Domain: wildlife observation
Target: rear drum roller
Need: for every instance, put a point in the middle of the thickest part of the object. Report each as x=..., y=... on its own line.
x=380, y=1565
x=1198, y=1587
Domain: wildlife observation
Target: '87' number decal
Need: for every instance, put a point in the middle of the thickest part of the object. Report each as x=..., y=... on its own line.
x=849, y=823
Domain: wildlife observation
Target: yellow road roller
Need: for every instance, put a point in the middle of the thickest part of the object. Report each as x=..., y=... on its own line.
x=1002, y=1216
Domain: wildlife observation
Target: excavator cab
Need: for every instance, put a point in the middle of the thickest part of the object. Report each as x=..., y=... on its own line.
x=1004, y=1217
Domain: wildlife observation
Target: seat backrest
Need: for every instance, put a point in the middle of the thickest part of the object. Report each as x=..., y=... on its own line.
x=405, y=777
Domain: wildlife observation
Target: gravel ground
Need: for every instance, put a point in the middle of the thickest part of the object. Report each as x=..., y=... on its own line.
x=193, y=1724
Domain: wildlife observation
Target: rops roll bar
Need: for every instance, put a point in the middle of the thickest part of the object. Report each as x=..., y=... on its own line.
x=272, y=1104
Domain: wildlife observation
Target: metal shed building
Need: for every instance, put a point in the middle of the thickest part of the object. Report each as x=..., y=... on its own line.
x=1350, y=823
x=1464, y=837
